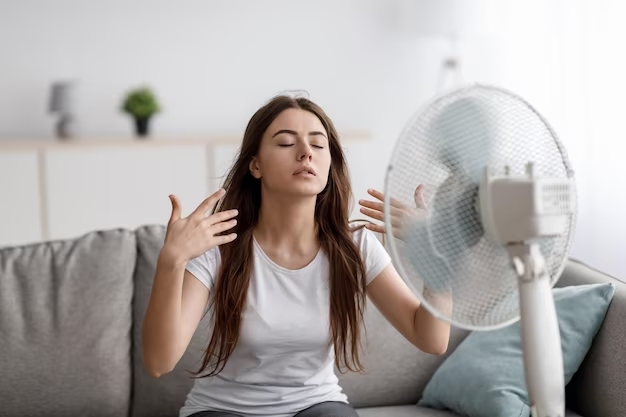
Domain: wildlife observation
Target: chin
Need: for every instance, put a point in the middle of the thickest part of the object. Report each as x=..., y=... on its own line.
x=305, y=190
x=296, y=189
x=307, y=193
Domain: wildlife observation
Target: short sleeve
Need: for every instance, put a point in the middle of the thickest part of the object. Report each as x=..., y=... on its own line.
x=205, y=267
x=373, y=253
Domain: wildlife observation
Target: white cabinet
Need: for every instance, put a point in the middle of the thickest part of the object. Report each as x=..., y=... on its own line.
x=57, y=190
x=91, y=189
x=20, y=203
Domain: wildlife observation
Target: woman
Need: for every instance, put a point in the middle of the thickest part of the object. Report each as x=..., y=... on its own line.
x=282, y=273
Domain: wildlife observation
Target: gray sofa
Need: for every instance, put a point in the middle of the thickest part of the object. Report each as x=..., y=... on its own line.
x=70, y=339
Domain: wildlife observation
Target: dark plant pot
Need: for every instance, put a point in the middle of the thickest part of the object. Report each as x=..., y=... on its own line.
x=142, y=127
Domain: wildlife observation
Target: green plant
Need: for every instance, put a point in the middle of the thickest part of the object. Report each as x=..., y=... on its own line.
x=141, y=103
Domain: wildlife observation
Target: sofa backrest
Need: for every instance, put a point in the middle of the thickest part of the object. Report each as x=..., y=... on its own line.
x=65, y=321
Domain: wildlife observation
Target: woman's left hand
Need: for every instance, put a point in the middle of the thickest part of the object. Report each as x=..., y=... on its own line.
x=401, y=215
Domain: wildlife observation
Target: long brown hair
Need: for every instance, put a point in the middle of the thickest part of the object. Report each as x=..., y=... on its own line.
x=347, y=271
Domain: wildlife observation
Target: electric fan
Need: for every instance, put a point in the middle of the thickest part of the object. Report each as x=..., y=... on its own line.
x=501, y=209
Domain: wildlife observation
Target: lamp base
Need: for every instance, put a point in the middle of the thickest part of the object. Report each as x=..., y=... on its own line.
x=66, y=127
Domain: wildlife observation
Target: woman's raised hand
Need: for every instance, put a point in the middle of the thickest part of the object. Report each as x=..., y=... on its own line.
x=189, y=237
x=402, y=216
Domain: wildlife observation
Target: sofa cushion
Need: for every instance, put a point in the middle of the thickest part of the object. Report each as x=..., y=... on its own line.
x=413, y=411
x=403, y=411
x=485, y=376
x=162, y=397
x=65, y=321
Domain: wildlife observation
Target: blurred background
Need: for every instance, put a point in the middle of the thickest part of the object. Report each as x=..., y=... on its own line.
x=76, y=75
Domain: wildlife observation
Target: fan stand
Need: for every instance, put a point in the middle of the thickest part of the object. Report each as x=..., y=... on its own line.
x=541, y=340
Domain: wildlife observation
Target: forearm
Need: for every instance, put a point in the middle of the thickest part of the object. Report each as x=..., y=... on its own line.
x=161, y=326
x=433, y=334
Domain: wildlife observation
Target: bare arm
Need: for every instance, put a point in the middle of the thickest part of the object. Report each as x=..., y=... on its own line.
x=176, y=305
x=178, y=299
x=403, y=310
x=389, y=292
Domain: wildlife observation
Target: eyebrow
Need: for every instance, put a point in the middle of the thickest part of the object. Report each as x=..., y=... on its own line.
x=293, y=132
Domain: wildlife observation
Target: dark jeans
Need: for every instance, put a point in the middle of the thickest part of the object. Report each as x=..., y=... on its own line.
x=326, y=409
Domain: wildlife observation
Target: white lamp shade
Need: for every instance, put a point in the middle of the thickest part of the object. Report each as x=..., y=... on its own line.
x=63, y=97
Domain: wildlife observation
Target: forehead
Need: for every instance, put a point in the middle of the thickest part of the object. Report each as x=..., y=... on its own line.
x=298, y=120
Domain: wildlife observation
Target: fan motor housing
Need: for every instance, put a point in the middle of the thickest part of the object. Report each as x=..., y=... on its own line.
x=523, y=209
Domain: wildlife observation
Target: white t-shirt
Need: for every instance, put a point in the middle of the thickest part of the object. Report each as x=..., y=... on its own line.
x=282, y=363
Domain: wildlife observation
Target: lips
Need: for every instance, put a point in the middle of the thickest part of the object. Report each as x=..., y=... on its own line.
x=305, y=170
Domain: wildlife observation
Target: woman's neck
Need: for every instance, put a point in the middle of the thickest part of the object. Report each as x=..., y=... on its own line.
x=287, y=225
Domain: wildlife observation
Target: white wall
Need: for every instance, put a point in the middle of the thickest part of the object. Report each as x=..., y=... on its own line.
x=213, y=63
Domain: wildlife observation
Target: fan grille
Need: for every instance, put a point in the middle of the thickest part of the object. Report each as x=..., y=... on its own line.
x=445, y=147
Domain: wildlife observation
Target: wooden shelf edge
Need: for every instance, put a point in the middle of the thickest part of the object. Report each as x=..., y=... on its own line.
x=53, y=143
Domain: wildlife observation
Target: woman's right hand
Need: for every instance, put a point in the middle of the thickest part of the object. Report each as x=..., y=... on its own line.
x=189, y=237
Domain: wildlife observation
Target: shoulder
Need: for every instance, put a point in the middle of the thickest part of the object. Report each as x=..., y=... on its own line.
x=365, y=238
x=373, y=253
x=205, y=266
x=210, y=257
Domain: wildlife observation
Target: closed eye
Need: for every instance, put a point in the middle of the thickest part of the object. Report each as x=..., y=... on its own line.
x=286, y=145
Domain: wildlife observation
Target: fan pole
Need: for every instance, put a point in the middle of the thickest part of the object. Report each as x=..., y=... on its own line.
x=541, y=340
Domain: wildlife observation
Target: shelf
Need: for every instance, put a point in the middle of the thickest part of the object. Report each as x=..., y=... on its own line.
x=49, y=143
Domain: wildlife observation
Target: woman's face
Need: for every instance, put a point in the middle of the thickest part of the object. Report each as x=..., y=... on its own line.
x=294, y=155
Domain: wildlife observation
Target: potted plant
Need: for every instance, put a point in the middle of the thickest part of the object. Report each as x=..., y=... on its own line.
x=141, y=104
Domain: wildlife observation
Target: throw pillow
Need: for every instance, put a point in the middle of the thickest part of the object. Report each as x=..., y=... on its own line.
x=484, y=376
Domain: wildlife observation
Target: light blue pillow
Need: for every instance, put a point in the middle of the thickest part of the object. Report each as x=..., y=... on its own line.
x=484, y=376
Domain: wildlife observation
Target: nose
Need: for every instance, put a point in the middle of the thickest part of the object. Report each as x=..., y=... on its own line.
x=305, y=152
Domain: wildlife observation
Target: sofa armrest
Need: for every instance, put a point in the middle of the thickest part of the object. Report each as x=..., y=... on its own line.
x=598, y=388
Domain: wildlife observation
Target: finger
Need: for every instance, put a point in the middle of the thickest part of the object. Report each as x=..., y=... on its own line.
x=374, y=214
x=225, y=238
x=372, y=205
x=223, y=226
x=380, y=207
x=396, y=221
x=380, y=196
x=381, y=229
x=208, y=203
x=419, y=197
x=375, y=228
x=176, y=208
x=376, y=194
x=222, y=216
